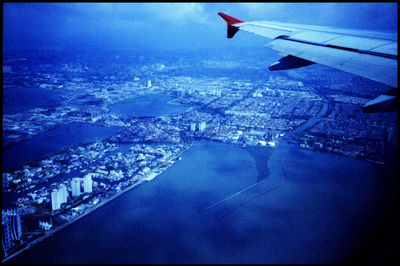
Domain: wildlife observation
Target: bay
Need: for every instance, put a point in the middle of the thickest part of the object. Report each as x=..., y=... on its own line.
x=146, y=105
x=312, y=208
x=53, y=140
x=21, y=99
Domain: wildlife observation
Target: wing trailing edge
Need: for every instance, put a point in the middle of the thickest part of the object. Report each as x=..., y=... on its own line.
x=383, y=103
x=289, y=62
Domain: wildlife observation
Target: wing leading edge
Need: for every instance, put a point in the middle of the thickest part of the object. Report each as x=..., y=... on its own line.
x=367, y=54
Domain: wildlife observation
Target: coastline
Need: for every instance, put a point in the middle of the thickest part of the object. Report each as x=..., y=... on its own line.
x=290, y=202
x=149, y=177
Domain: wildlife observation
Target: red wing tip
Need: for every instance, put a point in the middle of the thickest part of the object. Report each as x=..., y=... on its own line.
x=230, y=20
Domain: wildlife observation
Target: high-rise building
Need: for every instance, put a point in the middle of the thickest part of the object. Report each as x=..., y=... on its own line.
x=63, y=193
x=76, y=186
x=87, y=184
x=202, y=126
x=217, y=93
x=193, y=126
x=58, y=197
x=55, y=200
x=6, y=239
x=148, y=83
x=11, y=226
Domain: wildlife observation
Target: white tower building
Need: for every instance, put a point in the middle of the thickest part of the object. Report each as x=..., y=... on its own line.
x=202, y=126
x=87, y=184
x=55, y=202
x=76, y=186
x=193, y=127
x=148, y=83
x=63, y=194
x=11, y=225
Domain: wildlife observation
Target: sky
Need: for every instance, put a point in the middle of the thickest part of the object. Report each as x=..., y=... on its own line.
x=172, y=26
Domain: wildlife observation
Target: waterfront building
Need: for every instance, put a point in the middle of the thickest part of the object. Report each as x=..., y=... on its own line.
x=11, y=227
x=45, y=225
x=262, y=142
x=87, y=184
x=76, y=186
x=63, y=193
x=148, y=83
x=193, y=127
x=6, y=239
x=202, y=126
x=55, y=200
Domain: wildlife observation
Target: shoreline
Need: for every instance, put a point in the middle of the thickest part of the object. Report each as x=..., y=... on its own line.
x=58, y=228
x=262, y=194
x=152, y=175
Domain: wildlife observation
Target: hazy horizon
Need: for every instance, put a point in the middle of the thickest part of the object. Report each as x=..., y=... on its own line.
x=172, y=26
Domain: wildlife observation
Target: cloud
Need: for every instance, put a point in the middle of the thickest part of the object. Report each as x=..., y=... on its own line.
x=179, y=12
x=262, y=9
x=173, y=25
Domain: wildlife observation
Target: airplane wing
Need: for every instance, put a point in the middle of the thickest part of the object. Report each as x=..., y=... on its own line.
x=370, y=55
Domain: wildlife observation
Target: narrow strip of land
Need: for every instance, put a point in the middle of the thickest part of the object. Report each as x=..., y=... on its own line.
x=230, y=197
x=243, y=203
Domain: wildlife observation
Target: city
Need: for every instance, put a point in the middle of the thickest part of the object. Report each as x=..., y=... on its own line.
x=254, y=110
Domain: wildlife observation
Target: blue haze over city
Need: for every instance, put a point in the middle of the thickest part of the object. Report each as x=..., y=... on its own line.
x=140, y=133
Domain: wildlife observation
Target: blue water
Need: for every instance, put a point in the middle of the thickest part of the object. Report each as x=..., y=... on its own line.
x=60, y=137
x=312, y=208
x=146, y=105
x=20, y=99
